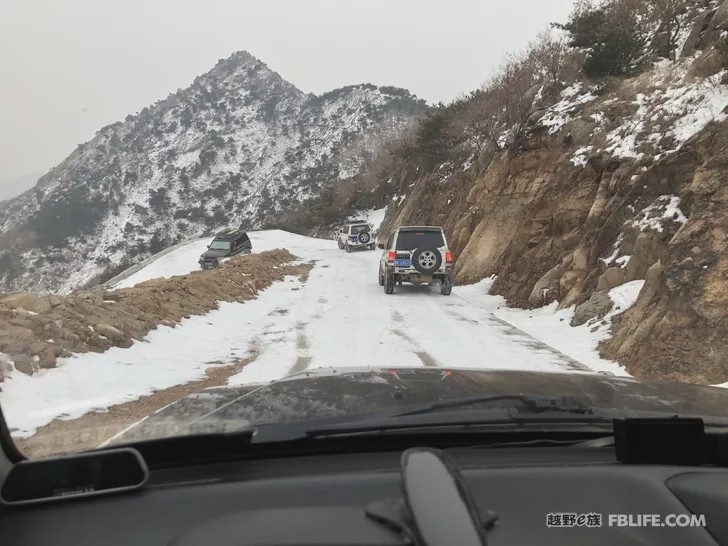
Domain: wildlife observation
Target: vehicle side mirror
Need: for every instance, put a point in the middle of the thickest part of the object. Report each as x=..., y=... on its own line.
x=380, y=246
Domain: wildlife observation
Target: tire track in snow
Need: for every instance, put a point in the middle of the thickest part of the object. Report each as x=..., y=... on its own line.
x=303, y=361
x=519, y=336
x=424, y=356
x=303, y=345
x=433, y=307
x=341, y=317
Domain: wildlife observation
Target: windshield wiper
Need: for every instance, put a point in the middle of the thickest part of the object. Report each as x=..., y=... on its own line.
x=541, y=409
x=452, y=415
x=459, y=420
x=501, y=412
x=533, y=404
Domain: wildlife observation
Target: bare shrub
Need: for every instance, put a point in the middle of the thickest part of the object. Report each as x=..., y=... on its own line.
x=620, y=37
x=504, y=102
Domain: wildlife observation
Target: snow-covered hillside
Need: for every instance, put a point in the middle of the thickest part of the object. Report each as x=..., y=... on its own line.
x=338, y=317
x=670, y=106
x=236, y=146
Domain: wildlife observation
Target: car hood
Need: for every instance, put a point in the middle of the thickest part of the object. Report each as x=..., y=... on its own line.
x=339, y=391
x=214, y=254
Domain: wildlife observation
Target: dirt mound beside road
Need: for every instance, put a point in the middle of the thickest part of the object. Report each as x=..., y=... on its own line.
x=36, y=330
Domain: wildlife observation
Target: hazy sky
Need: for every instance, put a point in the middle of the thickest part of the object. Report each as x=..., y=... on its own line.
x=70, y=67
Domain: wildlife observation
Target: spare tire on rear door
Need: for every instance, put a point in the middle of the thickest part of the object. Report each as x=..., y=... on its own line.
x=426, y=260
x=364, y=237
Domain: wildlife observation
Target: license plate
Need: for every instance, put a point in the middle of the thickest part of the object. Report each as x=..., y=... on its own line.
x=402, y=263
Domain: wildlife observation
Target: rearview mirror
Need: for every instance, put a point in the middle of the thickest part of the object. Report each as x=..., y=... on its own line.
x=380, y=246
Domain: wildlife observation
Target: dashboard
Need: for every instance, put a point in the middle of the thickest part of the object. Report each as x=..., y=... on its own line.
x=323, y=500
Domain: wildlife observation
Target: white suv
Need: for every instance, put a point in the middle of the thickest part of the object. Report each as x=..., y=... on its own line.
x=418, y=255
x=356, y=235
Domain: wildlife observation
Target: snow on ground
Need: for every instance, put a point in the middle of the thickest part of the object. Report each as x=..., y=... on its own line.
x=373, y=216
x=579, y=159
x=167, y=357
x=669, y=113
x=560, y=113
x=625, y=296
x=666, y=208
x=339, y=317
x=376, y=217
x=178, y=262
x=668, y=109
x=345, y=319
x=552, y=326
x=696, y=106
x=185, y=259
x=662, y=211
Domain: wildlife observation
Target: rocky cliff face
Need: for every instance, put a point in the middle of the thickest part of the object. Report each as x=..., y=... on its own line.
x=678, y=327
x=607, y=184
x=239, y=144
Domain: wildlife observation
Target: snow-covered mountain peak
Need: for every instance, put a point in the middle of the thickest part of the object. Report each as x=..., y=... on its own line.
x=239, y=144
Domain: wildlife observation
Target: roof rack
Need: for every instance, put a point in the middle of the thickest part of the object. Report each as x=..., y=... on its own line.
x=229, y=233
x=420, y=228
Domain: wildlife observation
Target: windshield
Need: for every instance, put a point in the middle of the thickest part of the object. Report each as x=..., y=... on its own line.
x=409, y=202
x=410, y=240
x=220, y=245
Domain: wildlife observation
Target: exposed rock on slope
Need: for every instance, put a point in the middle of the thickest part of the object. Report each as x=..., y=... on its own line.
x=678, y=328
x=237, y=145
x=601, y=185
x=36, y=330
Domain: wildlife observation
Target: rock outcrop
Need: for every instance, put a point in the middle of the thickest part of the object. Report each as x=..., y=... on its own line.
x=679, y=326
x=597, y=306
x=98, y=320
x=606, y=187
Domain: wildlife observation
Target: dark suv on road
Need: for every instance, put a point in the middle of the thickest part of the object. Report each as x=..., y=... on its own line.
x=224, y=245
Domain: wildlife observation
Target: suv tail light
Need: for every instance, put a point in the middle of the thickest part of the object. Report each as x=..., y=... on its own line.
x=448, y=257
x=392, y=256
